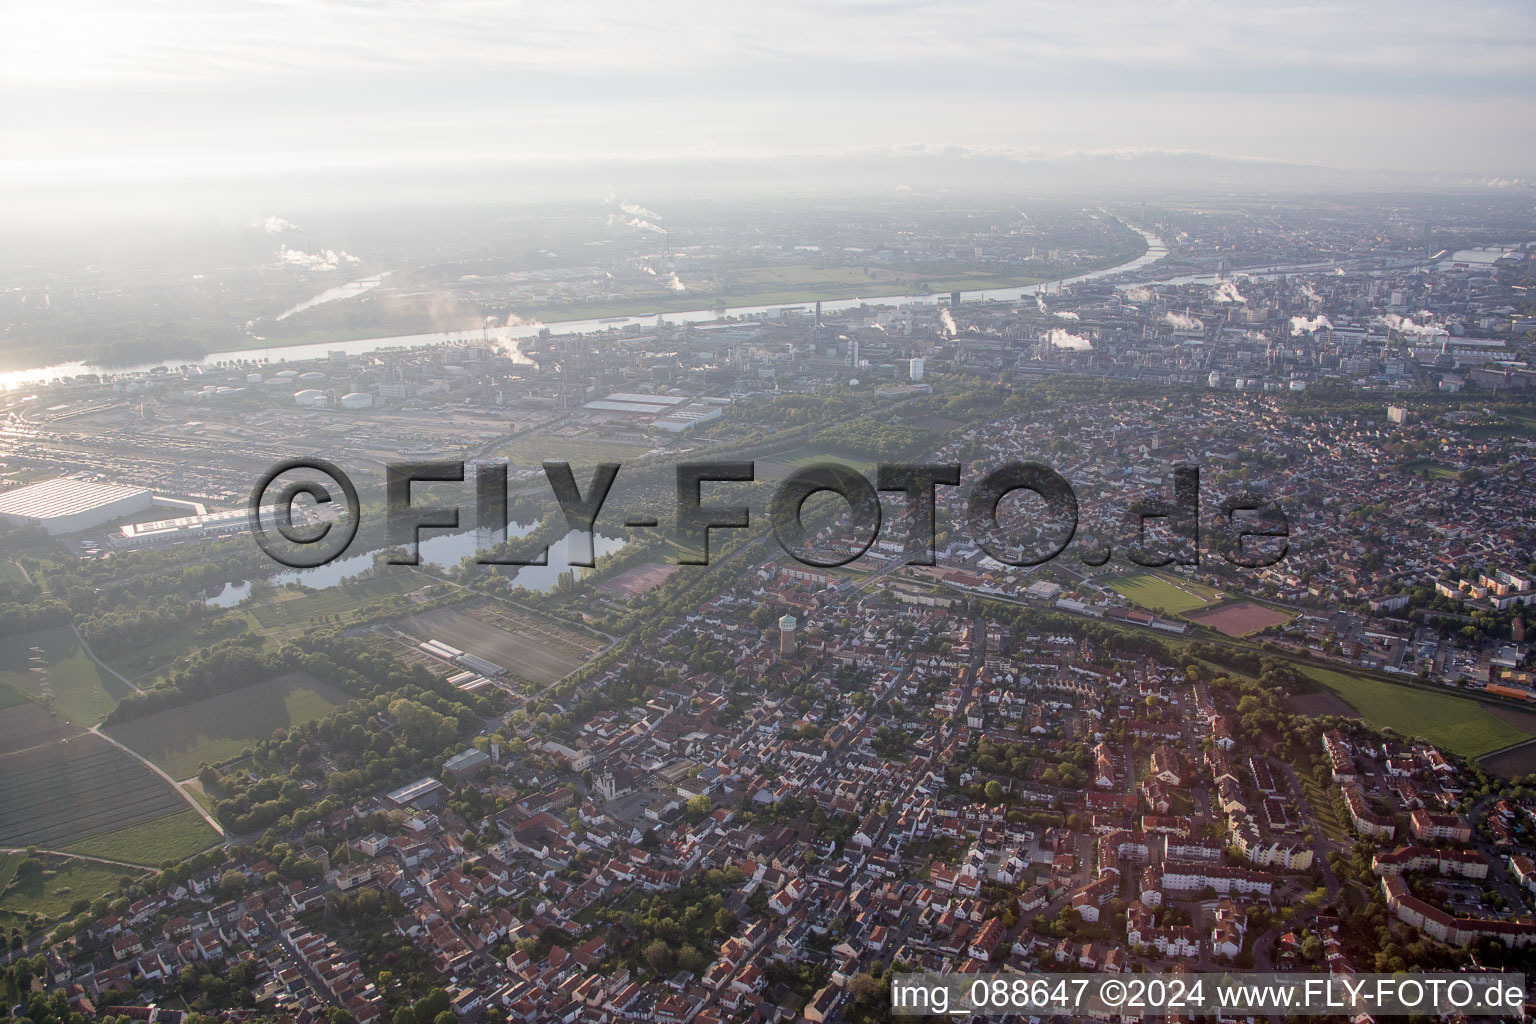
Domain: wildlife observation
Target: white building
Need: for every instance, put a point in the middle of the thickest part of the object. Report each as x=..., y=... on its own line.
x=64, y=505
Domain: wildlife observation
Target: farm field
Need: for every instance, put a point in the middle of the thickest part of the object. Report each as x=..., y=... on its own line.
x=528, y=647
x=1240, y=618
x=1514, y=762
x=9, y=697
x=25, y=725
x=1458, y=724
x=55, y=889
x=218, y=728
x=1321, y=702
x=76, y=788
x=173, y=837
x=83, y=692
x=578, y=451
x=1158, y=594
x=340, y=600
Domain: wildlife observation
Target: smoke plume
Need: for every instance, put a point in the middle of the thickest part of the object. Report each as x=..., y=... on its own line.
x=1226, y=291
x=1061, y=338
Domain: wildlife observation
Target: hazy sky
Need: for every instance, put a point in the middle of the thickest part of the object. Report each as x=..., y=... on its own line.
x=156, y=90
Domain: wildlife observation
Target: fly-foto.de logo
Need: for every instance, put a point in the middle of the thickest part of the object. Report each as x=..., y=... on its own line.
x=305, y=512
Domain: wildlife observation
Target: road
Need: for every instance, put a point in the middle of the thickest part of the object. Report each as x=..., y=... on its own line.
x=178, y=787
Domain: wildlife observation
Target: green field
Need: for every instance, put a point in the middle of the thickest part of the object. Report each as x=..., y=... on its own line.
x=55, y=889
x=83, y=692
x=1321, y=804
x=1433, y=470
x=174, y=837
x=217, y=729
x=1457, y=724
x=145, y=660
x=305, y=608
x=1157, y=594
x=578, y=451
x=811, y=455
x=9, y=698
x=11, y=572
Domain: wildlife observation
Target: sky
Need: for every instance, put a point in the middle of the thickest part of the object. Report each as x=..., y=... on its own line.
x=111, y=93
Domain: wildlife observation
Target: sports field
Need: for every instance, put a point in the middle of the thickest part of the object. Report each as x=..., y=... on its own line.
x=1159, y=594
x=578, y=451
x=636, y=581
x=1459, y=725
x=217, y=729
x=527, y=646
x=83, y=692
x=1241, y=618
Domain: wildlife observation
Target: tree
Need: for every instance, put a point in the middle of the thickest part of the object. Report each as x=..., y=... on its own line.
x=232, y=884
x=698, y=807
x=994, y=791
x=658, y=956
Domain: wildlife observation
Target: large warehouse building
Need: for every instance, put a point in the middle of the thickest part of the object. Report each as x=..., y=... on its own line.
x=69, y=506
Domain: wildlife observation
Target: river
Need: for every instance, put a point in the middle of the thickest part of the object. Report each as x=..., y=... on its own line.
x=444, y=550
x=508, y=337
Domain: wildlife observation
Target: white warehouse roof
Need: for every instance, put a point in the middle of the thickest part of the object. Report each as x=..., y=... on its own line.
x=64, y=505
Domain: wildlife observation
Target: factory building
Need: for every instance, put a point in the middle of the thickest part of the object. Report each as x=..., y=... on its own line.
x=64, y=505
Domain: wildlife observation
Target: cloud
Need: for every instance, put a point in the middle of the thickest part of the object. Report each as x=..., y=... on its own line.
x=183, y=40
x=178, y=86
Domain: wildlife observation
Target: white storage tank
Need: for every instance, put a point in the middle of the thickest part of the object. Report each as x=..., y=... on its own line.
x=253, y=378
x=312, y=375
x=357, y=400
x=309, y=398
